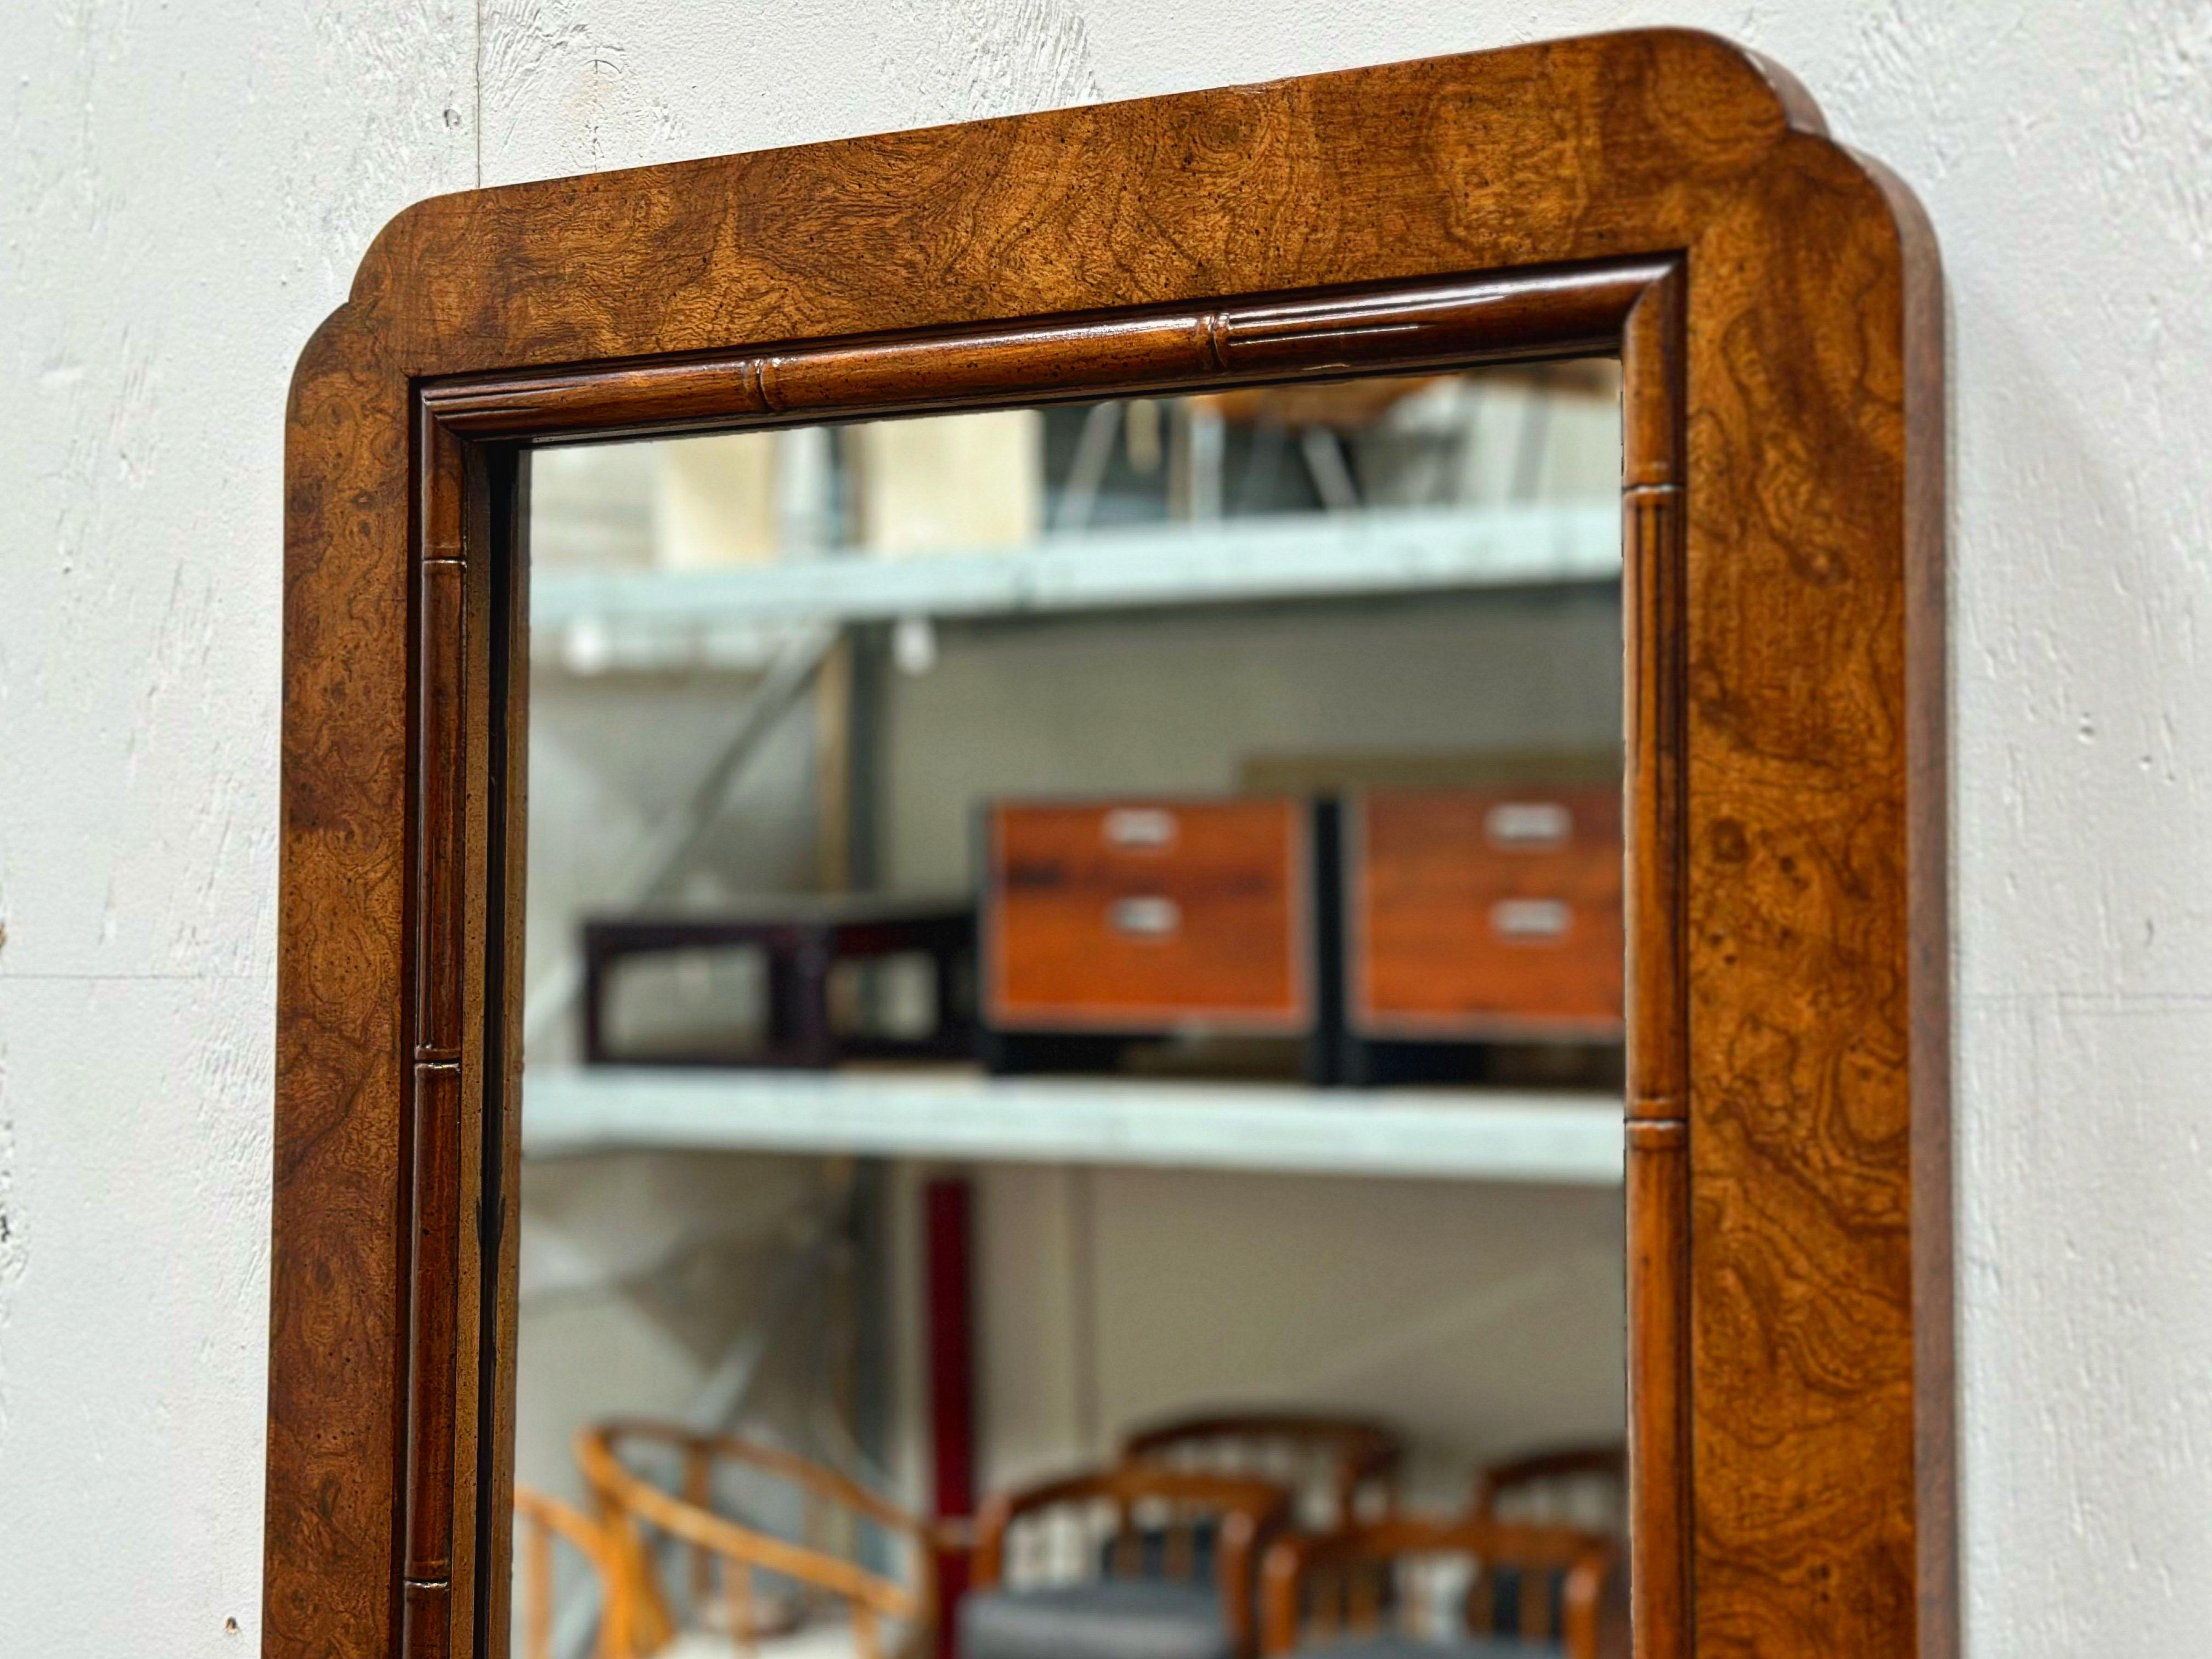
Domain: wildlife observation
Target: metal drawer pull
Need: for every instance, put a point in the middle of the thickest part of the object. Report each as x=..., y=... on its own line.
x=1526, y=823
x=1530, y=919
x=1140, y=826
x=1146, y=918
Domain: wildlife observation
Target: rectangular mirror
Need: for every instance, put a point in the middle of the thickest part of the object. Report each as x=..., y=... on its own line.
x=1072, y=1030
x=1074, y=979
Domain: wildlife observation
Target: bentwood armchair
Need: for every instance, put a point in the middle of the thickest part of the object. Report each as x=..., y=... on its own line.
x=541, y=1522
x=788, y=1591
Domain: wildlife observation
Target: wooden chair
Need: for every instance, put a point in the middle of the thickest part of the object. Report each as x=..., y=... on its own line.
x=1135, y=1562
x=1580, y=1485
x=540, y=1522
x=830, y=1607
x=1340, y=1469
x=1367, y=1592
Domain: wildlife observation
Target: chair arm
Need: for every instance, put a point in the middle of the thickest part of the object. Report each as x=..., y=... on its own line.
x=1245, y=1527
x=855, y=1585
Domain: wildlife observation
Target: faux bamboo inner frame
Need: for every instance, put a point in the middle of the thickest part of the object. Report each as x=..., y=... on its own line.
x=471, y=434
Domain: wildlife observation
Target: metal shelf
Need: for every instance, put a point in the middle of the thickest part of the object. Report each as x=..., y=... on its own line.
x=1460, y=1134
x=653, y=618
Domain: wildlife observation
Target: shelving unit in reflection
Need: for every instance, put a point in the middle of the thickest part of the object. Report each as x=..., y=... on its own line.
x=791, y=668
x=1043, y=919
x=737, y=616
x=1568, y=1138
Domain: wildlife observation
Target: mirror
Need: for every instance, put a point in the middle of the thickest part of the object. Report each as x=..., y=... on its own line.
x=1774, y=305
x=1072, y=1085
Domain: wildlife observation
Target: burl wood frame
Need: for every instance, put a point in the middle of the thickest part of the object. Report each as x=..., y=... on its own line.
x=1773, y=300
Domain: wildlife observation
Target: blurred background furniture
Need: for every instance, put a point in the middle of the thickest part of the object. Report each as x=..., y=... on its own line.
x=541, y=1522
x=783, y=1578
x=1579, y=1485
x=781, y=680
x=1134, y=1562
x=1105, y=920
x=819, y=995
x=1476, y=916
x=1336, y=1468
x=1410, y=1588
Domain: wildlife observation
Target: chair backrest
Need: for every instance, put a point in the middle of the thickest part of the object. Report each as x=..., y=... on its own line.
x=1583, y=1486
x=541, y=1522
x=1436, y=1579
x=1136, y=1521
x=746, y=1579
x=1339, y=1469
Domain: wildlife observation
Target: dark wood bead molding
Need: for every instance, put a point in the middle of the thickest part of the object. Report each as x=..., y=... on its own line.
x=1661, y=196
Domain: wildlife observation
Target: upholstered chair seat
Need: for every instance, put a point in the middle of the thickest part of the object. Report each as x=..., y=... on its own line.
x=1102, y=1619
x=1137, y=1561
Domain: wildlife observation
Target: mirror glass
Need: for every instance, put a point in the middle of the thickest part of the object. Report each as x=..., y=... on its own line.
x=1073, y=1031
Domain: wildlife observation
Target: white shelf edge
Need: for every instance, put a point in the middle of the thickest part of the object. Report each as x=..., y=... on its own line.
x=1312, y=555
x=1464, y=1134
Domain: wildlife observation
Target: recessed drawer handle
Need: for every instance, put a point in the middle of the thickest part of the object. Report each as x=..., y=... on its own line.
x=1146, y=918
x=1530, y=919
x=1140, y=826
x=1528, y=824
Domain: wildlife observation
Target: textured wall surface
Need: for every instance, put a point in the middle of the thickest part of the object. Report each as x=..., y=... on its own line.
x=183, y=192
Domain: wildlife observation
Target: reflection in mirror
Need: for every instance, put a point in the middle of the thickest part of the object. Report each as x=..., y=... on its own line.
x=1072, y=1032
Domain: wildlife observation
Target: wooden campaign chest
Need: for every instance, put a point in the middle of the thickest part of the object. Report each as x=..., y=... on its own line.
x=1484, y=916
x=1148, y=916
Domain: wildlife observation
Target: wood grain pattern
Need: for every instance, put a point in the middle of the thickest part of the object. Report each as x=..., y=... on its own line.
x=1662, y=1546
x=440, y=809
x=1653, y=598
x=1200, y=920
x=1662, y=194
x=1456, y=894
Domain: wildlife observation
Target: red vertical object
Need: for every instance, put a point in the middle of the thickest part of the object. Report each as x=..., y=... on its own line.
x=952, y=1382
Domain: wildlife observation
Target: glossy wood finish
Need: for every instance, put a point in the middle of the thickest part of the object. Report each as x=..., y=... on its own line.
x=1485, y=914
x=1774, y=301
x=1145, y=915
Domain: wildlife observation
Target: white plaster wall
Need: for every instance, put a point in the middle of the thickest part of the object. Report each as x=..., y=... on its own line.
x=183, y=192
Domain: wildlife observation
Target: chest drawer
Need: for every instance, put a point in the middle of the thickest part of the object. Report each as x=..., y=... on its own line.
x=1485, y=915
x=1146, y=916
